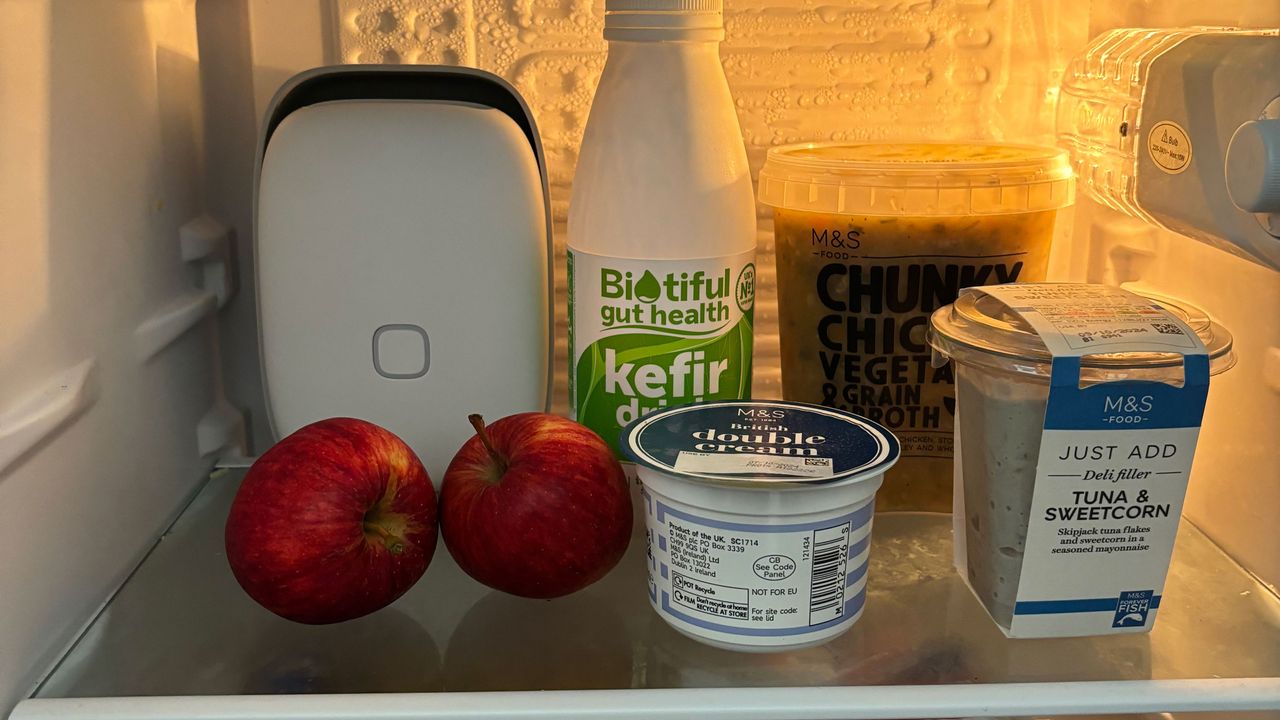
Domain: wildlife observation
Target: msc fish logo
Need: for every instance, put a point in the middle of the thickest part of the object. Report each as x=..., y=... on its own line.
x=1132, y=608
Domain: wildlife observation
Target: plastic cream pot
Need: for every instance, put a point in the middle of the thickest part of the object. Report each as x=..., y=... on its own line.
x=873, y=237
x=758, y=518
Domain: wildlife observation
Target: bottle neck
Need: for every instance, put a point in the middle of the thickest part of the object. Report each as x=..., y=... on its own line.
x=664, y=27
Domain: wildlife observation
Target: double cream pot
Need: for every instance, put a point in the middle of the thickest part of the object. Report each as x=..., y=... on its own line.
x=758, y=518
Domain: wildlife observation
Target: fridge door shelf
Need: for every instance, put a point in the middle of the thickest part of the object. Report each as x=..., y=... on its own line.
x=181, y=627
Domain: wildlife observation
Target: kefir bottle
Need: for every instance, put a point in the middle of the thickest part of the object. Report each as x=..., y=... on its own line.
x=661, y=224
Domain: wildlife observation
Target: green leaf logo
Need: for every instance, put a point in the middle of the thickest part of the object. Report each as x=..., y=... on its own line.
x=648, y=290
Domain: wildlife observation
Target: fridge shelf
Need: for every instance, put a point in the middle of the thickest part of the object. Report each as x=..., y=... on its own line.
x=181, y=627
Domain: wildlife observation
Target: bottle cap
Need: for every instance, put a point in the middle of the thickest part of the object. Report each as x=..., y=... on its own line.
x=664, y=6
x=663, y=20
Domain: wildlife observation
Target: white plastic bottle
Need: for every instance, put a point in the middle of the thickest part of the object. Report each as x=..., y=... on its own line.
x=662, y=231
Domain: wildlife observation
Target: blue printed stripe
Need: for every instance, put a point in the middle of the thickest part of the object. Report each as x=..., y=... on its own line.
x=857, y=548
x=857, y=574
x=662, y=542
x=1125, y=404
x=851, y=608
x=856, y=519
x=1083, y=605
x=664, y=571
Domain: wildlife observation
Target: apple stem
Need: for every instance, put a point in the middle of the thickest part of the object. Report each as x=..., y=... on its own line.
x=477, y=422
x=394, y=545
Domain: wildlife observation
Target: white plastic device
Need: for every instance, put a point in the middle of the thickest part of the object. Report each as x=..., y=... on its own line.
x=402, y=243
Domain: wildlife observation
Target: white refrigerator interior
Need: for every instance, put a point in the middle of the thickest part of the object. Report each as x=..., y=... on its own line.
x=131, y=391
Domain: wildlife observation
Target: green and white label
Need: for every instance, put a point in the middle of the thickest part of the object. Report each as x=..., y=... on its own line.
x=649, y=334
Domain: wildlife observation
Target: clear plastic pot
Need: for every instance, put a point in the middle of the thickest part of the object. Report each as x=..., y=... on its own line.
x=870, y=239
x=1002, y=373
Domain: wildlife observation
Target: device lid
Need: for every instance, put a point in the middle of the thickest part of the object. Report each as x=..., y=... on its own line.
x=916, y=179
x=402, y=244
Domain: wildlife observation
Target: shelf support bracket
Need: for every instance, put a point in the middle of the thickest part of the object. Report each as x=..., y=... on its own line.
x=207, y=242
x=44, y=413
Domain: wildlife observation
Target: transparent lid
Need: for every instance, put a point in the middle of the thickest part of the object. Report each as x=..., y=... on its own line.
x=979, y=329
x=916, y=179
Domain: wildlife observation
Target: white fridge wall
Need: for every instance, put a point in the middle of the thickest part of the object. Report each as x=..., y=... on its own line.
x=101, y=144
x=1235, y=481
x=231, y=134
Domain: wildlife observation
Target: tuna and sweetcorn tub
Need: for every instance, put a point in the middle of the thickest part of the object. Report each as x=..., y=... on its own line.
x=758, y=518
x=1078, y=409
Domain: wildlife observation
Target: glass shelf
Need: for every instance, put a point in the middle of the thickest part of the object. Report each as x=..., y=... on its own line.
x=181, y=626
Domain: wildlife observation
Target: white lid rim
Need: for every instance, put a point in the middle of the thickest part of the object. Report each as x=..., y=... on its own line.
x=887, y=455
x=1043, y=180
x=1042, y=155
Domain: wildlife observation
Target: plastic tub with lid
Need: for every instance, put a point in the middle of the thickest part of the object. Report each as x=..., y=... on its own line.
x=1003, y=369
x=758, y=518
x=873, y=237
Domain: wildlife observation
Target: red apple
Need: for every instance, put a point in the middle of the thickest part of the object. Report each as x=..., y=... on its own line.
x=333, y=522
x=535, y=505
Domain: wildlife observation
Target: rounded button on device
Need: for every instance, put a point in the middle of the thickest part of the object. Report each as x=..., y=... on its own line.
x=401, y=351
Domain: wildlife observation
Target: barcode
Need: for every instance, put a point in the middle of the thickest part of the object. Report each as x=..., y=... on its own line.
x=826, y=588
x=1167, y=329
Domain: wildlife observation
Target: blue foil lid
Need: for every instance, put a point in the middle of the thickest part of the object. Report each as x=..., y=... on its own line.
x=760, y=442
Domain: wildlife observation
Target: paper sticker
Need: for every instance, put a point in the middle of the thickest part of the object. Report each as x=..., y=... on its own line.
x=1169, y=147
x=750, y=464
x=1076, y=319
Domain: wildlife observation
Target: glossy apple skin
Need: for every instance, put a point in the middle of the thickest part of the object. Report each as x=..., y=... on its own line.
x=333, y=522
x=558, y=519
